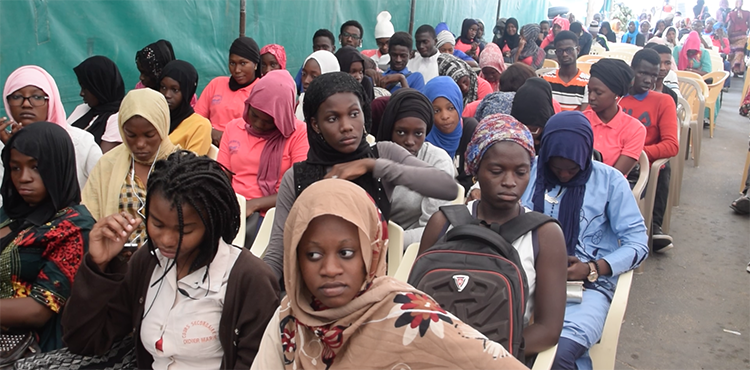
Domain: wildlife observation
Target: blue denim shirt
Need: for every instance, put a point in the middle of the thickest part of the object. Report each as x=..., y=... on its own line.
x=414, y=79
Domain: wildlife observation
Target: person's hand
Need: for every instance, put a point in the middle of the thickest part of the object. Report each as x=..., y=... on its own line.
x=474, y=194
x=109, y=235
x=216, y=136
x=577, y=270
x=473, y=51
x=386, y=80
x=351, y=170
x=4, y=124
x=374, y=75
x=521, y=43
x=252, y=207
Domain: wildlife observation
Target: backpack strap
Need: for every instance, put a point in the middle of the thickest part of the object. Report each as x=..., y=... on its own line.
x=458, y=214
x=522, y=224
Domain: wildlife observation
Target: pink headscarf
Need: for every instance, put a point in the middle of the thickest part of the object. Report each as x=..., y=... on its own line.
x=692, y=42
x=492, y=57
x=277, y=51
x=564, y=24
x=36, y=76
x=274, y=95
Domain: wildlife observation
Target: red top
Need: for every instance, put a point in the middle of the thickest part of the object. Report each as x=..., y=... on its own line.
x=657, y=112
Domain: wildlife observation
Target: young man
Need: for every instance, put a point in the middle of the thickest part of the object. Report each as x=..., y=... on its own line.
x=322, y=40
x=667, y=82
x=585, y=40
x=425, y=62
x=351, y=34
x=398, y=75
x=383, y=32
x=658, y=113
x=600, y=39
x=544, y=30
x=569, y=84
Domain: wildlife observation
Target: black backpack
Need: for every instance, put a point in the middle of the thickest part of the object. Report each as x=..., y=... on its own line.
x=475, y=273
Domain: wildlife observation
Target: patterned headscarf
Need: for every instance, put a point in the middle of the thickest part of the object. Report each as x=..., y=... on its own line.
x=455, y=68
x=155, y=57
x=530, y=33
x=494, y=129
x=494, y=103
x=277, y=51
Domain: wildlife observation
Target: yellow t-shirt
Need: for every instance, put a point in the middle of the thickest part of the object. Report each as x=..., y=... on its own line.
x=194, y=134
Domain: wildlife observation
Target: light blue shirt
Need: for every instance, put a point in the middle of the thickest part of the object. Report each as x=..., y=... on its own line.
x=414, y=79
x=611, y=228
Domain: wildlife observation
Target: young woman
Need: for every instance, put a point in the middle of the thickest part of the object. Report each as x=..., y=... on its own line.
x=492, y=65
x=352, y=62
x=498, y=102
x=43, y=231
x=691, y=56
x=558, y=24
x=337, y=112
x=500, y=155
x=406, y=121
x=533, y=105
x=670, y=37
x=738, y=22
x=606, y=30
x=466, y=41
x=604, y=232
x=119, y=181
x=31, y=95
x=150, y=61
x=272, y=57
x=316, y=64
x=341, y=311
x=511, y=37
x=102, y=90
x=645, y=30
x=260, y=147
x=194, y=300
x=528, y=52
x=633, y=36
x=223, y=98
x=189, y=130
x=472, y=87
x=659, y=29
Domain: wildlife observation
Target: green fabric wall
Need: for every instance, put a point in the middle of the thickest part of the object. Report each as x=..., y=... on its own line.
x=59, y=34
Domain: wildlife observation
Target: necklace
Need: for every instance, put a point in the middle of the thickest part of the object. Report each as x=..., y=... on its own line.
x=552, y=199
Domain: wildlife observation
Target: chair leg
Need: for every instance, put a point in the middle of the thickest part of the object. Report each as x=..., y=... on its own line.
x=711, y=121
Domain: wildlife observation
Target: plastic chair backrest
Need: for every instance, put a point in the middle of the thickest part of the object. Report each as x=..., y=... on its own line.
x=213, y=152
x=541, y=71
x=692, y=91
x=239, y=240
x=621, y=46
x=640, y=185
x=590, y=58
x=370, y=139
x=395, y=247
x=545, y=359
x=402, y=273
x=717, y=64
x=549, y=63
x=264, y=234
x=460, y=195
x=603, y=353
x=625, y=55
x=584, y=66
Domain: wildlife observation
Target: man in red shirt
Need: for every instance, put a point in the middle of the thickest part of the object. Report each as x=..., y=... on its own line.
x=658, y=114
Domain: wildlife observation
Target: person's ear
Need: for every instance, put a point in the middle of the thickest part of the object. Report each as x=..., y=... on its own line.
x=314, y=124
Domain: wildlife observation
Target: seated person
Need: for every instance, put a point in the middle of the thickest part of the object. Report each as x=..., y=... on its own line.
x=398, y=75
x=691, y=56
x=425, y=61
x=604, y=231
x=528, y=52
x=316, y=64
x=383, y=32
x=188, y=129
x=472, y=87
x=569, y=84
x=446, y=43
x=658, y=114
x=617, y=136
x=533, y=106
x=492, y=65
x=119, y=180
x=500, y=156
x=352, y=62
x=262, y=145
x=407, y=119
x=509, y=82
x=341, y=311
x=337, y=112
x=467, y=41
x=272, y=57
x=102, y=90
x=322, y=40
x=666, y=82
x=187, y=286
x=44, y=231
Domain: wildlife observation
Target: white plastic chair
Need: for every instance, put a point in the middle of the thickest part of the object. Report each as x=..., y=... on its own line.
x=213, y=152
x=395, y=247
x=603, y=353
x=264, y=234
x=693, y=91
x=239, y=240
x=404, y=269
x=544, y=359
x=461, y=195
x=370, y=139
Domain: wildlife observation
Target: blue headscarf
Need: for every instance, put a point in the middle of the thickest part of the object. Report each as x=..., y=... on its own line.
x=445, y=87
x=633, y=35
x=567, y=135
x=442, y=26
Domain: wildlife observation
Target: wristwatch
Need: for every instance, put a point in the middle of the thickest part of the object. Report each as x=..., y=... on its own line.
x=594, y=273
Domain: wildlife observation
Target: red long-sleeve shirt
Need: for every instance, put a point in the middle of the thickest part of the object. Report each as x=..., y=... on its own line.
x=658, y=113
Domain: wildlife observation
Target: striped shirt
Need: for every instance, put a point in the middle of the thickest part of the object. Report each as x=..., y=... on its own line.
x=570, y=95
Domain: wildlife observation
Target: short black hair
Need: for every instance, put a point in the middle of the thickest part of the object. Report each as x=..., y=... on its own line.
x=515, y=76
x=355, y=24
x=324, y=33
x=400, y=39
x=648, y=55
x=426, y=28
x=544, y=22
x=576, y=27
x=566, y=35
x=661, y=49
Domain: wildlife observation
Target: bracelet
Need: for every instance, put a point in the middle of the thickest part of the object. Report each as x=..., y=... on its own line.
x=596, y=266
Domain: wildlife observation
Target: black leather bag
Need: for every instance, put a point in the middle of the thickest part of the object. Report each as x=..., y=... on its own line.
x=16, y=345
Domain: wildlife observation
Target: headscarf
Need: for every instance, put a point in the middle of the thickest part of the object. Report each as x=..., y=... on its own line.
x=155, y=56
x=530, y=33
x=511, y=40
x=348, y=55
x=326, y=60
x=610, y=36
x=405, y=103
x=468, y=22
x=273, y=95
x=494, y=129
x=152, y=106
x=494, y=103
x=442, y=26
x=378, y=109
x=564, y=24
x=615, y=73
x=36, y=76
x=277, y=51
x=247, y=48
x=632, y=35
x=445, y=37
x=692, y=42
x=185, y=75
x=567, y=135
x=51, y=146
x=387, y=314
x=499, y=28
x=492, y=57
x=445, y=87
x=455, y=68
x=100, y=76
x=532, y=104
x=664, y=36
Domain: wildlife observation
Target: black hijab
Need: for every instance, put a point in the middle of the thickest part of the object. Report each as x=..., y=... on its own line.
x=186, y=75
x=610, y=36
x=508, y=39
x=532, y=104
x=247, y=48
x=51, y=146
x=405, y=103
x=100, y=76
x=614, y=73
x=348, y=55
x=468, y=22
x=154, y=57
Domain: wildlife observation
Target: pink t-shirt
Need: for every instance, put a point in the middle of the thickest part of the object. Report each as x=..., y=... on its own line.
x=461, y=46
x=483, y=88
x=471, y=109
x=220, y=104
x=240, y=153
x=623, y=135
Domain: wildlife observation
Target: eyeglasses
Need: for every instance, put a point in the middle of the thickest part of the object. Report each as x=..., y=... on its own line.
x=569, y=51
x=17, y=100
x=351, y=36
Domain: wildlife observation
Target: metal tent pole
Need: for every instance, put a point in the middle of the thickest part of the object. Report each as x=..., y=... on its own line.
x=411, y=16
x=242, y=18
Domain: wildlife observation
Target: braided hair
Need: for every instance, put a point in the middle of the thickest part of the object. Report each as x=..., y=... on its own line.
x=185, y=178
